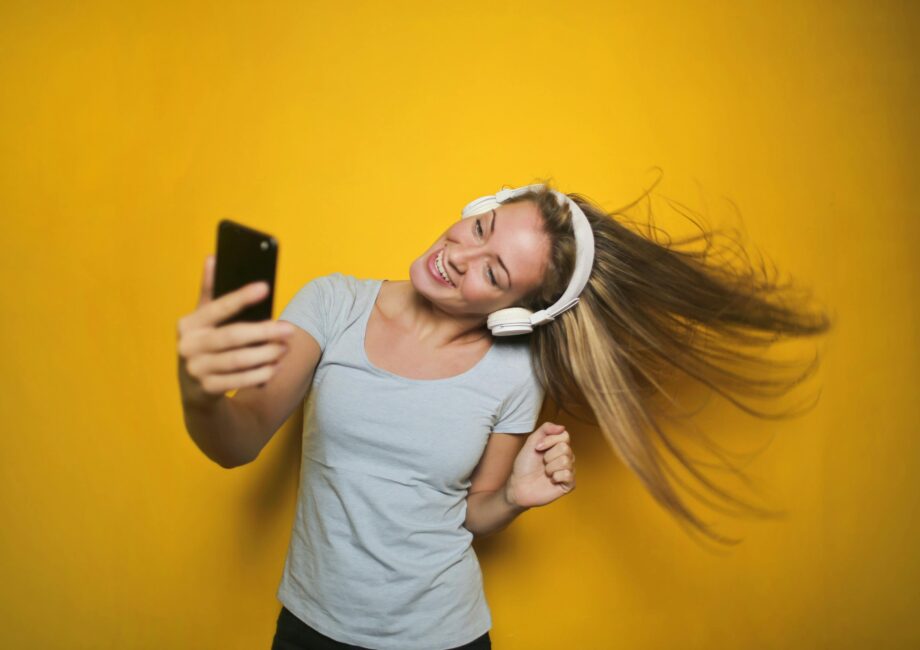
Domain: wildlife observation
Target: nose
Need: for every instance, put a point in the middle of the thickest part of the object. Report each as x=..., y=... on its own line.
x=460, y=256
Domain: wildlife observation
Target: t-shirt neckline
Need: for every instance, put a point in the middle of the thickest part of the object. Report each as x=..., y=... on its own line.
x=366, y=317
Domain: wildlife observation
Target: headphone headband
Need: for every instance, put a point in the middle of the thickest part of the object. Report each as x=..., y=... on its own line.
x=517, y=320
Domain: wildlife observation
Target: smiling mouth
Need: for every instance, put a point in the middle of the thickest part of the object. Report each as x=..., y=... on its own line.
x=436, y=266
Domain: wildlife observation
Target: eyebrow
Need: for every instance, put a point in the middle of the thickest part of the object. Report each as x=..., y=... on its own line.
x=494, y=219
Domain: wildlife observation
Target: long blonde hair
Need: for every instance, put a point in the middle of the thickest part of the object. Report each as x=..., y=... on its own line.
x=651, y=312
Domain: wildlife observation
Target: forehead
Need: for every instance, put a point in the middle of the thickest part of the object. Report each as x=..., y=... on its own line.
x=521, y=242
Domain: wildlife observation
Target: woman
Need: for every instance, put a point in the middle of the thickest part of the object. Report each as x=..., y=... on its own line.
x=422, y=388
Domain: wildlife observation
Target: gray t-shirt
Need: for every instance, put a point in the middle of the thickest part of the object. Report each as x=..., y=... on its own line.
x=379, y=556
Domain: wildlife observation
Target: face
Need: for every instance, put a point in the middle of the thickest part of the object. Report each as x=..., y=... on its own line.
x=492, y=260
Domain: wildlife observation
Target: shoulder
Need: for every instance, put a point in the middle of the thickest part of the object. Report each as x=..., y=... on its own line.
x=333, y=294
x=515, y=353
x=513, y=371
x=344, y=286
x=326, y=305
x=339, y=280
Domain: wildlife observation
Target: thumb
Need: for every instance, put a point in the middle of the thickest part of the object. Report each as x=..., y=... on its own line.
x=207, y=281
x=543, y=431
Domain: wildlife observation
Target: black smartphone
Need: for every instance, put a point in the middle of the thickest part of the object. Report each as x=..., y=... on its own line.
x=245, y=255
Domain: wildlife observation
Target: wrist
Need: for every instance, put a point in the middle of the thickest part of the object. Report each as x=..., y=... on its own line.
x=508, y=494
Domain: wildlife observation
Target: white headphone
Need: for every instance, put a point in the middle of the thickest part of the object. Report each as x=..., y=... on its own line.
x=518, y=320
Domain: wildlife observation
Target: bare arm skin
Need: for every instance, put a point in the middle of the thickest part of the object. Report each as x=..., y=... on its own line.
x=489, y=507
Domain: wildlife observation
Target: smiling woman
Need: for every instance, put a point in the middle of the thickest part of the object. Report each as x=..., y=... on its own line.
x=420, y=427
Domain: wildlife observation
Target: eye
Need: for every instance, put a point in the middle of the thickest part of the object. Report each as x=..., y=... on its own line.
x=478, y=228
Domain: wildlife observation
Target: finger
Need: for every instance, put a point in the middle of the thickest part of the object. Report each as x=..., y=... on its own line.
x=207, y=281
x=551, y=440
x=556, y=450
x=557, y=464
x=567, y=486
x=563, y=476
x=239, y=335
x=216, y=311
x=255, y=376
x=551, y=427
x=238, y=360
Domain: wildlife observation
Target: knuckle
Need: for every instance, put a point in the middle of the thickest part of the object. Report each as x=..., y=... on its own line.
x=191, y=367
x=226, y=335
x=233, y=358
x=238, y=358
x=247, y=333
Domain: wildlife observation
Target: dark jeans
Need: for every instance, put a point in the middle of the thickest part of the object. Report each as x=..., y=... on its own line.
x=293, y=634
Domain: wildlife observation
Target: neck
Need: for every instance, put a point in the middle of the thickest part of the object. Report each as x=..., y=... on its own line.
x=433, y=326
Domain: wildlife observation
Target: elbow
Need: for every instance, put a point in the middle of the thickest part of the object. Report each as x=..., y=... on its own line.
x=479, y=533
x=470, y=523
x=231, y=463
x=470, y=527
x=470, y=520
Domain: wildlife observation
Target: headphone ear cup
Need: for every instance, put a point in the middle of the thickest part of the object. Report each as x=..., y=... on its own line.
x=510, y=321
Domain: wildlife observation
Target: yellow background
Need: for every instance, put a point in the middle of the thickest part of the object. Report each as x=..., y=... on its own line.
x=355, y=132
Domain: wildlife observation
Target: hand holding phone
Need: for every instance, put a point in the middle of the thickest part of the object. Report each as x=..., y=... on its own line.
x=220, y=348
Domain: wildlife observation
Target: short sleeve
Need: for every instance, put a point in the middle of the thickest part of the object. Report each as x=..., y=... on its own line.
x=312, y=308
x=521, y=408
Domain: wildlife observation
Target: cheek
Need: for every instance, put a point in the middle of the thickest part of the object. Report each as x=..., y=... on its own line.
x=481, y=293
x=418, y=273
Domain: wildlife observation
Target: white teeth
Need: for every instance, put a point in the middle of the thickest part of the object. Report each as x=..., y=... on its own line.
x=438, y=263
